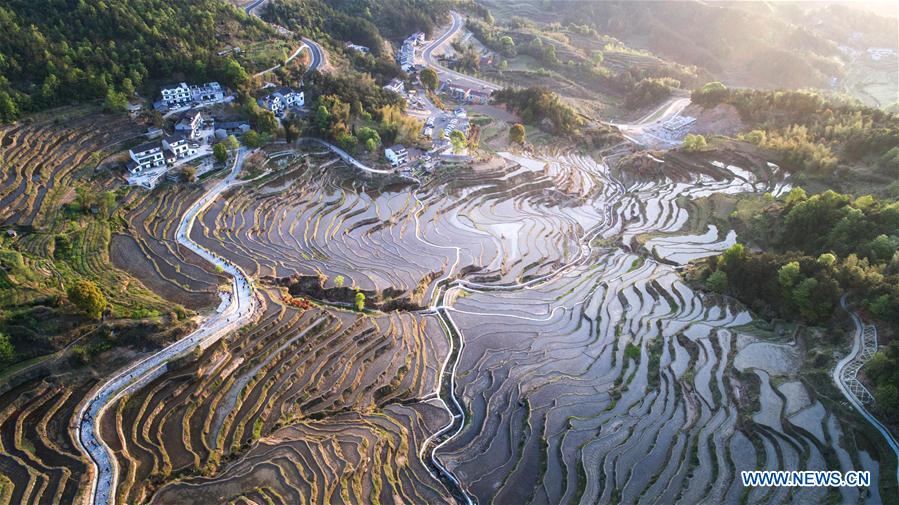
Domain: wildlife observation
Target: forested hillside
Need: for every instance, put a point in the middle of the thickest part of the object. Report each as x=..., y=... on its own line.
x=54, y=52
x=365, y=22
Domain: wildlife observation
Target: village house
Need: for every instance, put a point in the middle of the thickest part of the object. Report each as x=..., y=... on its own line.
x=396, y=154
x=182, y=94
x=396, y=85
x=159, y=153
x=177, y=146
x=283, y=99
x=225, y=128
x=146, y=156
x=190, y=124
x=357, y=48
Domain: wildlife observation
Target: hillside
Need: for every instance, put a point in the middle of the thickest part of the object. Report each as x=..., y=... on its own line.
x=54, y=52
x=755, y=44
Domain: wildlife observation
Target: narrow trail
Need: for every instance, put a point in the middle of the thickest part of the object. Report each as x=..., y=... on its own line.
x=241, y=309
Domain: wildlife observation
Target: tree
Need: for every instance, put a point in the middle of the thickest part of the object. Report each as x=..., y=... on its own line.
x=709, y=95
x=7, y=350
x=115, y=102
x=508, y=46
x=220, y=152
x=232, y=143
x=338, y=281
x=789, y=274
x=517, y=133
x=429, y=79
x=457, y=139
x=252, y=139
x=717, y=282
x=188, y=173
x=87, y=297
x=693, y=143
x=886, y=399
x=360, y=301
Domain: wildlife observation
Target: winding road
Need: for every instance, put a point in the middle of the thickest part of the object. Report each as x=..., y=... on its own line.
x=444, y=73
x=315, y=50
x=843, y=378
x=241, y=309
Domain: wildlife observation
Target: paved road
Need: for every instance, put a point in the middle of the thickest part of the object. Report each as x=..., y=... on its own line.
x=839, y=377
x=318, y=54
x=345, y=156
x=239, y=311
x=640, y=131
x=445, y=73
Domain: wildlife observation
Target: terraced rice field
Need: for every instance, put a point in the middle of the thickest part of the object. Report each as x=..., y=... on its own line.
x=298, y=378
x=42, y=161
x=589, y=372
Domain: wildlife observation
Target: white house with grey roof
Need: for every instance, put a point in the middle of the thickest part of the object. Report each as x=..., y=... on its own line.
x=282, y=99
x=182, y=94
x=396, y=154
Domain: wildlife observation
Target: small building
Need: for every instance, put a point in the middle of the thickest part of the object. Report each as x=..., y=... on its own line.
x=176, y=95
x=146, y=156
x=282, y=99
x=396, y=154
x=154, y=132
x=358, y=48
x=396, y=85
x=190, y=124
x=176, y=147
x=225, y=128
x=459, y=93
x=209, y=92
x=481, y=97
x=182, y=94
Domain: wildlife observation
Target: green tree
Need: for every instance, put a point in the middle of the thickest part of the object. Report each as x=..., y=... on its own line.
x=220, y=152
x=7, y=350
x=115, y=102
x=693, y=143
x=710, y=95
x=717, y=282
x=188, y=173
x=886, y=399
x=87, y=297
x=508, y=46
x=789, y=274
x=360, y=301
x=517, y=133
x=232, y=143
x=252, y=139
x=338, y=281
x=429, y=79
x=732, y=257
x=457, y=139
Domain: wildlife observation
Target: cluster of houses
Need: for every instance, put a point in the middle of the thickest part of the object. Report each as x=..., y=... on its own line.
x=182, y=94
x=406, y=56
x=158, y=153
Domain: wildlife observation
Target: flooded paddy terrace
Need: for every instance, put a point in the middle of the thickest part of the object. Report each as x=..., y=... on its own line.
x=590, y=372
